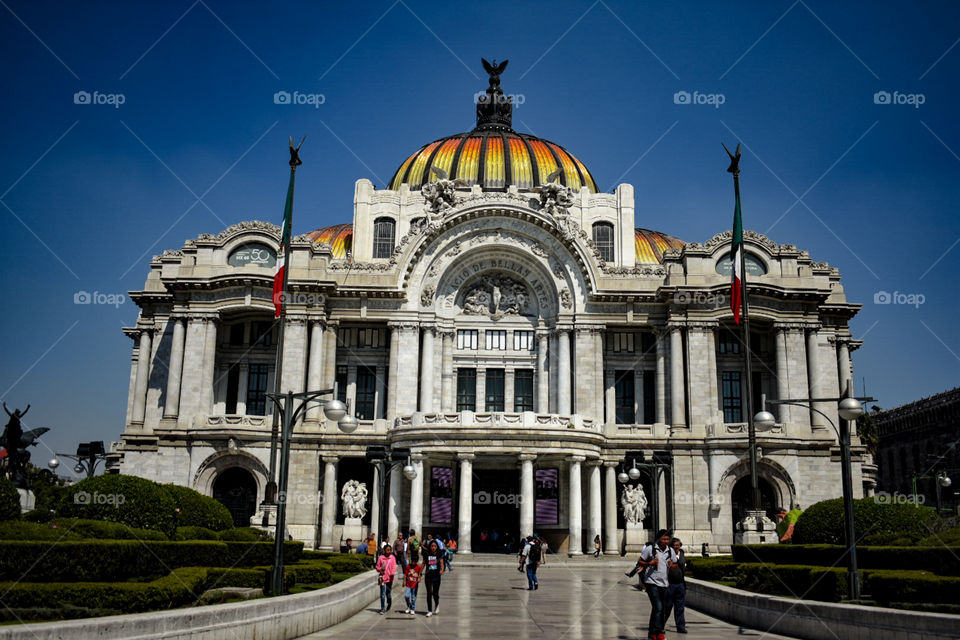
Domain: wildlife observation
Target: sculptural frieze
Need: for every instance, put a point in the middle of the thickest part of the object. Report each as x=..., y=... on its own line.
x=353, y=496
x=496, y=295
x=634, y=502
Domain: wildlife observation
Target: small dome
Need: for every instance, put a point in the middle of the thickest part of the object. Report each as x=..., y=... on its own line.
x=340, y=237
x=650, y=245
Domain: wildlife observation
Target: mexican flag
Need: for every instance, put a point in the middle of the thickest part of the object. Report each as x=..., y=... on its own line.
x=280, y=278
x=736, y=254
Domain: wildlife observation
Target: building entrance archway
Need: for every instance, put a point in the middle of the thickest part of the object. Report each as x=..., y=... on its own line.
x=741, y=498
x=496, y=511
x=236, y=489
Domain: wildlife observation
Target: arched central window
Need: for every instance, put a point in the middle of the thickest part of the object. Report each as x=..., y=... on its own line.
x=384, y=233
x=603, y=239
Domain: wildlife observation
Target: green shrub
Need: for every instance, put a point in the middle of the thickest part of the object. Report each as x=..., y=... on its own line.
x=105, y=530
x=9, y=500
x=887, y=586
x=218, y=578
x=198, y=510
x=246, y=554
x=713, y=568
x=823, y=522
x=133, y=501
x=39, y=515
x=312, y=572
x=195, y=533
x=346, y=563
x=813, y=583
x=340, y=577
x=887, y=540
x=26, y=530
x=244, y=534
x=940, y=560
x=948, y=537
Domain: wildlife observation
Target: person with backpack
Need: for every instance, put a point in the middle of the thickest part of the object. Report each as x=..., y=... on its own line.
x=531, y=562
x=657, y=560
x=413, y=541
x=677, y=588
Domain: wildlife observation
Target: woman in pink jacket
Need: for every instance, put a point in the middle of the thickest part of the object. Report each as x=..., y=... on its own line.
x=387, y=568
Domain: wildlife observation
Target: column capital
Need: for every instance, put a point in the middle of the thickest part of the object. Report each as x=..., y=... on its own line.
x=330, y=459
x=297, y=319
x=524, y=457
x=676, y=325
x=790, y=326
x=446, y=333
x=611, y=463
x=418, y=457
x=207, y=316
x=466, y=456
x=703, y=325
x=577, y=459
x=594, y=462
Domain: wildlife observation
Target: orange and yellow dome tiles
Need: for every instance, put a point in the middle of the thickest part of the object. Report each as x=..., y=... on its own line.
x=494, y=160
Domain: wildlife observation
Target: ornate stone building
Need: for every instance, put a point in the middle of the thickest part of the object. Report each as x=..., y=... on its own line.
x=521, y=332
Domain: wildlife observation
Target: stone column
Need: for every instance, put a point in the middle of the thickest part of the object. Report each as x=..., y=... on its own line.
x=375, y=505
x=585, y=392
x=714, y=400
x=481, y=390
x=563, y=372
x=144, y=355
x=392, y=377
x=426, y=371
x=813, y=377
x=315, y=368
x=610, y=545
x=209, y=358
x=661, y=378
x=843, y=365
x=574, y=508
x=330, y=356
x=352, y=388
x=448, y=389
x=596, y=510
x=416, y=495
x=171, y=406
x=527, y=496
x=465, y=530
x=543, y=376
x=638, y=396
x=508, y=389
x=610, y=397
x=678, y=415
x=242, y=381
x=191, y=379
x=783, y=381
x=379, y=410
x=328, y=513
x=393, y=501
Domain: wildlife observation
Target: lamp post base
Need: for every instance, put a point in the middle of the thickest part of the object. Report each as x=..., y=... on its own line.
x=756, y=528
x=266, y=517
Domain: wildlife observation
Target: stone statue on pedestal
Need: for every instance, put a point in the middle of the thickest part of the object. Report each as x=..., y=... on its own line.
x=634, y=504
x=354, y=499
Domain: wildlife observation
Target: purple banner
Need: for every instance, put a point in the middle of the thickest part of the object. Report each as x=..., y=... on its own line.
x=441, y=495
x=547, y=509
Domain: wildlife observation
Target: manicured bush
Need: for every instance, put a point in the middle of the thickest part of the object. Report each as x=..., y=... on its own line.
x=949, y=537
x=313, y=572
x=713, y=568
x=246, y=554
x=9, y=500
x=198, y=510
x=823, y=522
x=218, y=578
x=244, y=534
x=800, y=581
x=350, y=563
x=105, y=530
x=195, y=533
x=890, y=586
x=25, y=530
x=133, y=501
x=887, y=540
x=39, y=515
x=940, y=560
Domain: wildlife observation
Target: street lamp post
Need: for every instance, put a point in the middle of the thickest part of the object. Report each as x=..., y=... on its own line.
x=653, y=470
x=88, y=456
x=335, y=411
x=850, y=409
x=386, y=460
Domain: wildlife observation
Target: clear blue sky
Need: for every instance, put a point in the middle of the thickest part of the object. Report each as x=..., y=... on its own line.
x=91, y=191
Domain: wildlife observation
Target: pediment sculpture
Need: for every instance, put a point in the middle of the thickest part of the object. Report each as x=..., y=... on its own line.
x=496, y=295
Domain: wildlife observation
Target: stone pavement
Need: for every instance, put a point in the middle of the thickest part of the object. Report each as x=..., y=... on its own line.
x=574, y=602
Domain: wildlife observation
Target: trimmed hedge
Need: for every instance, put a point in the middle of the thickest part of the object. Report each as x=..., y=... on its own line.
x=197, y=510
x=801, y=581
x=195, y=533
x=104, y=530
x=133, y=501
x=823, y=522
x=713, y=568
x=949, y=537
x=939, y=560
x=25, y=530
x=244, y=534
x=9, y=500
x=886, y=587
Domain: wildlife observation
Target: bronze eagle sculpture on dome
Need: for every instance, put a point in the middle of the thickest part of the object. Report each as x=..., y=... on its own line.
x=494, y=70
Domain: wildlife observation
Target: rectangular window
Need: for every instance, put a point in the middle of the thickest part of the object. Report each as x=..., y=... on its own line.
x=236, y=334
x=728, y=342
x=648, y=342
x=233, y=387
x=649, y=397
x=621, y=341
x=624, y=391
x=366, y=393
x=341, y=381
x=547, y=500
x=261, y=333
x=494, y=393
x=467, y=339
x=731, y=394
x=441, y=495
x=257, y=389
x=496, y=339
x=466, y=389
x=523, y=390
x=523, y=341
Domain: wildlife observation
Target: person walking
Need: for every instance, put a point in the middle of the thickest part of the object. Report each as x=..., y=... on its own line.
x=387, y=568
x=544, y=547
x=432, y=572
x=411, y=581
x=596, y=547
x=531, y=554
x=705, y=550
x=451, y=549
x=658, y=559
x=677, y=588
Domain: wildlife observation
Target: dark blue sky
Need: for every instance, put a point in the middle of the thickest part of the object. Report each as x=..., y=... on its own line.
x=89, y=192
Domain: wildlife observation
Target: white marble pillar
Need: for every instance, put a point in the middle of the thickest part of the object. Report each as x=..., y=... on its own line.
x=596, y=508
x=610, y=397
x=845, y=374
x=610, y=545
x=426, y=371
x=481, y=390
x=465, y=510
x=543, y=375
x=144, y=355
x=527, y=495
x=563, y=372
x=638, y=396
x=330, y=356
x=243, y=380
x=416, y=495
x=352, y=388
x=813, y=378
x=392, y=377
x=508, y=389
x=714, y=400
x=448, y=387
x=375, y=504
x=209, y=360
x=661, y=378
x=380, y=397
x=171, y=405
x=328, y=513
x=783, y=380
x=678, y=414
x=315, y=368
x=393, y=501
x=575, y=507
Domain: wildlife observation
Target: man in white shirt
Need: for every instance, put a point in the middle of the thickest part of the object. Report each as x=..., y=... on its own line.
x=657, y=560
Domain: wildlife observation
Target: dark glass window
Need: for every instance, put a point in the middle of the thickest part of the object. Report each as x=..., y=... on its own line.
x=466, y=389
x=494, y=390
x=233, y=386
x=366, y=393
x=384, y=234
x=236, y=334
x=731, y=393
x=624, y=391
x=728, y=342
x=341, y=383
x=261, y=333
x=603, y=239
x=649, y=397
x=257, y=390
x=523, y=390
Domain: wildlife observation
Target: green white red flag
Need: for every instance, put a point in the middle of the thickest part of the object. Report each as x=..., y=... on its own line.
x=736, y=254
x=280, y=277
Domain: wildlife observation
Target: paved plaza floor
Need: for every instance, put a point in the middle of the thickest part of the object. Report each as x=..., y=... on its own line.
x=574, y=602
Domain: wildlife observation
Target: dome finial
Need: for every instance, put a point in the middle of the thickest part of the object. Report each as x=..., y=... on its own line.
x=494, y=110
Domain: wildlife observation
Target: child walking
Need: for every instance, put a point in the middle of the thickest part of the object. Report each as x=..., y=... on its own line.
x=411, y=580
x=387, y=568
